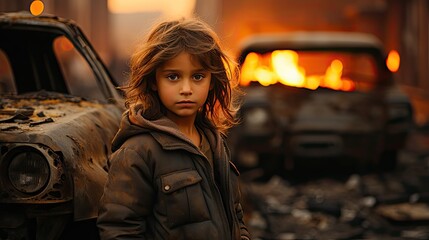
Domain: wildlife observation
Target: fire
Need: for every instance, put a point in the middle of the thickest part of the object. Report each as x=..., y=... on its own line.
x=283, y=66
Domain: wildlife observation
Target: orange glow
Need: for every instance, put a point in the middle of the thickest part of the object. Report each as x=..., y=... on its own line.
x=283, y=66
x=393, y=61
x=64, y=44
x=37, y=7
x=182, y=8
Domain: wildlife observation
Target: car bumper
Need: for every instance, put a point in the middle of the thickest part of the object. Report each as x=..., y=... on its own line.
x=347, y=149
x=34, y=221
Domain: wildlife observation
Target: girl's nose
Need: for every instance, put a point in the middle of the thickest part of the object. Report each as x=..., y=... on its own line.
x=186, y=88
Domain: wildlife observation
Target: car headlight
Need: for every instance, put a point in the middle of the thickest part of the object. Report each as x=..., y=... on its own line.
x=28, y=171
x=33, y=173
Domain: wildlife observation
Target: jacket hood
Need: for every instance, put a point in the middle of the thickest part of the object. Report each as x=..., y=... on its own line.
x=164, y=130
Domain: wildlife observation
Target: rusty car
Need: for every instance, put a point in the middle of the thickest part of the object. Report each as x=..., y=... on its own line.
x=59, y=111
x=318, y=101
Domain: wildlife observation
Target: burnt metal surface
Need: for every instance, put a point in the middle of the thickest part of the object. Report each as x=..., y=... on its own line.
x=79, y=131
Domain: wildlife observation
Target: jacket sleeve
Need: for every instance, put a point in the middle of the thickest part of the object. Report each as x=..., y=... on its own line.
x=127, y=199
x=244, y=233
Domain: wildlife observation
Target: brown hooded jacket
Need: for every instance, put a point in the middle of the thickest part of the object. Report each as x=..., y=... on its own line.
x=161, y=186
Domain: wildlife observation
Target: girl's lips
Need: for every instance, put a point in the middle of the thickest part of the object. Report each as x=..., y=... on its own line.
x=185, y=103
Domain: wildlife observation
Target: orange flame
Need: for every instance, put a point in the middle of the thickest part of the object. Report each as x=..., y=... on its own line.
x=285, y=66
x=282, y=66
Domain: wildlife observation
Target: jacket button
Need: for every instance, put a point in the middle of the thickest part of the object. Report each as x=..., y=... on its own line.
x=167, y=187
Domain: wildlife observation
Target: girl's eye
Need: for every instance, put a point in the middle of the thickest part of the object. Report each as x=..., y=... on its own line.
x=173, y=77
x=198, y=77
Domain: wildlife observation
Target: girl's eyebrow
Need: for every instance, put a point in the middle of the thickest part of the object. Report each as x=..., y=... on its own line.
x=169, y=70
x=179, y=70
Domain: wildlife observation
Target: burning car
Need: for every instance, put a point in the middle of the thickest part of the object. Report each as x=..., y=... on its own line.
x=59, y=111
x=318, y=99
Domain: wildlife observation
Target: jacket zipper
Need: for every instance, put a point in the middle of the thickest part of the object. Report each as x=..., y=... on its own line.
x=219, y=201
x=230, y=199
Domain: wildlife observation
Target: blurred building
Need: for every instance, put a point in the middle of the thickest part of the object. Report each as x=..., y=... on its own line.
x=92, y=16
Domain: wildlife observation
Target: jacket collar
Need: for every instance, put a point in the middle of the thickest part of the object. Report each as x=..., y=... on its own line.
x=165, y=132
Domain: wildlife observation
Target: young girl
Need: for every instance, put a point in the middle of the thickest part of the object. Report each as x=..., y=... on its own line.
x=170, y=176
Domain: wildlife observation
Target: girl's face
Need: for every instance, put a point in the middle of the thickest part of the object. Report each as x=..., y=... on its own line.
x=182, y=85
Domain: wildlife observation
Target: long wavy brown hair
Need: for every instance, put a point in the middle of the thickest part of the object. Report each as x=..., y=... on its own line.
x=164, y=42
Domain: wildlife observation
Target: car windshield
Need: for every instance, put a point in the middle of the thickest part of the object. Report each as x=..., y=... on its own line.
x=32, y=60
x=342, y=71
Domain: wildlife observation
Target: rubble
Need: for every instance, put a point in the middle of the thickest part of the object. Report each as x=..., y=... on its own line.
x=375, y=205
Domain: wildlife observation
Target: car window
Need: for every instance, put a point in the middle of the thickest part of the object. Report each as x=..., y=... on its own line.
x=78, y=75
x=7, y=83
x=346, y=71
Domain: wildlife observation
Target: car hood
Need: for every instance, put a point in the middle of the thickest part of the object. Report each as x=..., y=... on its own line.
x=321, y=110
x=340, y=111
x=62, y=123
x=44, y=120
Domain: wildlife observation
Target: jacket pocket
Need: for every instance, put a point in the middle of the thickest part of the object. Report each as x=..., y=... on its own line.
x=185, y=201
